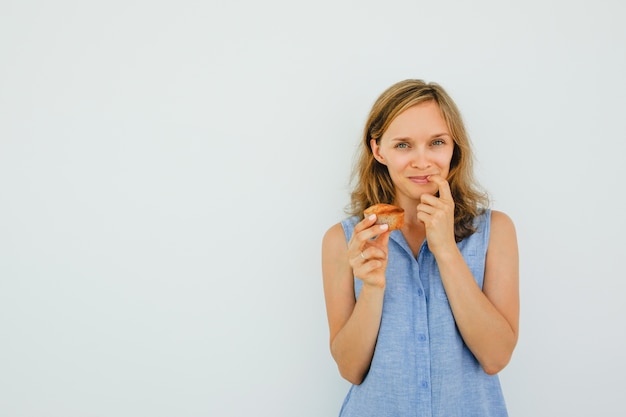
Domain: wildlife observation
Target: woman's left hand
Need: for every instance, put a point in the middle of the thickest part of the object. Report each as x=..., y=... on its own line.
x=437, y=214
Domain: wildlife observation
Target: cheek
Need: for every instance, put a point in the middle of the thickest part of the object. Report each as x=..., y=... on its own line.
x=444, y=159
x=399, y=162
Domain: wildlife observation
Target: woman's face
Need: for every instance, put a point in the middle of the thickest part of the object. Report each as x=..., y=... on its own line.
x=416, y=145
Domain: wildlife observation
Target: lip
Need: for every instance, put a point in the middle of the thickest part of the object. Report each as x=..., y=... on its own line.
x=419, y=179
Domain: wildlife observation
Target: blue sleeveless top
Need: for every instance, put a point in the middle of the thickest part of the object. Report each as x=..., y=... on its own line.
x=421, y=366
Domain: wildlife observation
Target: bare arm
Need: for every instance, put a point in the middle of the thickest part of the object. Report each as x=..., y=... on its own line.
x=354, y=324
x=488, y=319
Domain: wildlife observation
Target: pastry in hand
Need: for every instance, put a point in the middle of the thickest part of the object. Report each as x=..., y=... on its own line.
x=387, y=214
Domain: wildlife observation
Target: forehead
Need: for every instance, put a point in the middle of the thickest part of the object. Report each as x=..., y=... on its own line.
x=421, y=119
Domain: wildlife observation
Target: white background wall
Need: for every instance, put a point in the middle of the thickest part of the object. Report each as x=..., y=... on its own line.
x=168, y=168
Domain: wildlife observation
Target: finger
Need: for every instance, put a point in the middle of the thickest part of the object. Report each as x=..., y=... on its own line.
x=373, y=265
x=360, y=258
x=371, y=255
x=444, y=187
x=374, y=248
x=368, y=268
x=377, y=248
x=383, y=239
x=427, y=206
x=365, y=223
x=368, y=261
x=375, y=236
x=370, y=233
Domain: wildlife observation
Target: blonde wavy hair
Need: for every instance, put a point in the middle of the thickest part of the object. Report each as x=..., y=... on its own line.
x=371, y=182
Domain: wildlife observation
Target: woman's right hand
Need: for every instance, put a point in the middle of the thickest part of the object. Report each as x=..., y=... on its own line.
x=354, y=323
x=368, y=251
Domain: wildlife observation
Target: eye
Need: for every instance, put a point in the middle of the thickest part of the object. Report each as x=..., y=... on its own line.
x=438, y=142
x=401, y=145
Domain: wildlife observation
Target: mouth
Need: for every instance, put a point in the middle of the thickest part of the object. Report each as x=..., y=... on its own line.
x=419, y=179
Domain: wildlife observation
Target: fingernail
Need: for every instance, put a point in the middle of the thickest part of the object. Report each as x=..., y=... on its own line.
x=384, y=226
x=371, y=217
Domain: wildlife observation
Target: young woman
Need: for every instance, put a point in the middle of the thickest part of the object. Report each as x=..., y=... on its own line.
x=423, y=318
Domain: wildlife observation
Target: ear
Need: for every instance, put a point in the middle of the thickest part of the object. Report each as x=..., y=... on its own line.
x=376, y=151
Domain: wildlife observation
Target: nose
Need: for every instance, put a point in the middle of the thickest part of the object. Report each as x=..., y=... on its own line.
x=420, y=159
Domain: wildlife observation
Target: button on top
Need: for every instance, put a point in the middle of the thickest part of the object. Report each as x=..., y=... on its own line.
x=420, y=292
x=421, y=338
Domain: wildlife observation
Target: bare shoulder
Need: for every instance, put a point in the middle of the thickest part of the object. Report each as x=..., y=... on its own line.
x=503, y=232
x=335, y=254
x=502, y=237
x=334, y=238
x=501, y=222
x=502, y=263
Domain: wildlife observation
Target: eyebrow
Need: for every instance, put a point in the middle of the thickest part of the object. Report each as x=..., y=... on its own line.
x=406, y=138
